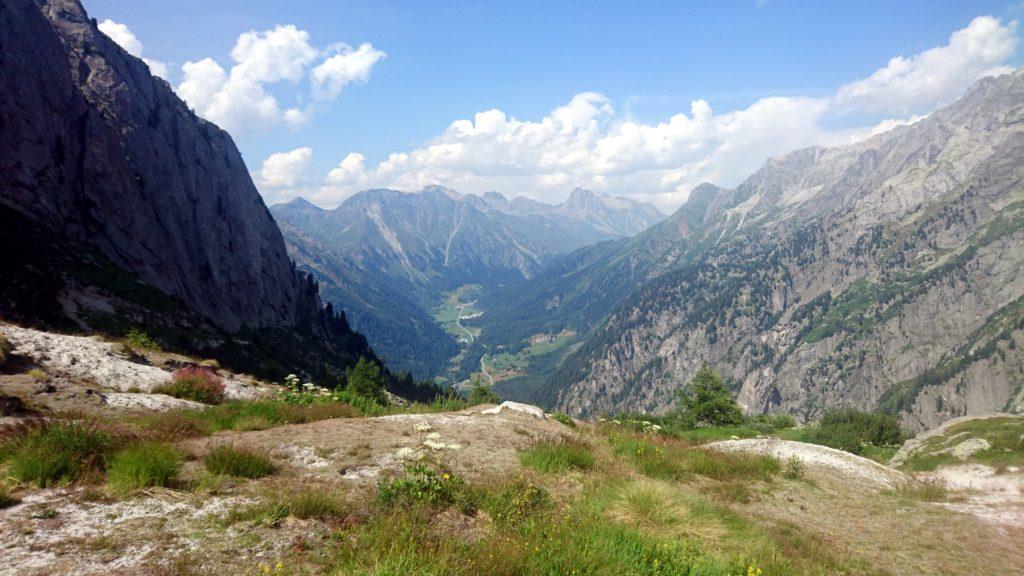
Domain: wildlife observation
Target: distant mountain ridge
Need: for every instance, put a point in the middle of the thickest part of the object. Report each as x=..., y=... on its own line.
x=887, y=274
x=414, y=246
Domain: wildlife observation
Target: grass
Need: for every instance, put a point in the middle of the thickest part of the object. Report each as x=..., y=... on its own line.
x=308, y=504
x=558, y=456
x=238, y=462
x=922, y=491
x=7, y=496
x=647, y=504
x=1005, y=436
x=143, y=466
x=56, y=452
x=239, y=416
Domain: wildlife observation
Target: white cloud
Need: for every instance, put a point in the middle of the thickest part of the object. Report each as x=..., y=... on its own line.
x=124, y=37
x=286, y=169
x=239, y=100
x=344, y=67
x=586, y=143
x=935, y=76
x=283, y=174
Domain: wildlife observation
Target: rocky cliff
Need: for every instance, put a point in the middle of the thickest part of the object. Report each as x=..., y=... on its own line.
x=887, y=275
x=104, y=166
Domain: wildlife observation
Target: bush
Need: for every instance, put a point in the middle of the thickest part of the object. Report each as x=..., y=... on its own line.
x=563, y=418
x=365, y=380
x=240, y=462
x=5, y=349
x=139, y=339
x=144, y=465
x=59, y=451
x=558, y=456
x=422, y=485
x=707, y=401
x=480, y=393
x=772, y=422
x=194, y=383
x=794, y=468
x=855, y=431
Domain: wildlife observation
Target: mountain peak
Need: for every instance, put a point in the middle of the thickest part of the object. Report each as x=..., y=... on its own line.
x=298, y=204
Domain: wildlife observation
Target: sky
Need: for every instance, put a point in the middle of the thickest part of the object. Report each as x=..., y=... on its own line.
x=645, y=100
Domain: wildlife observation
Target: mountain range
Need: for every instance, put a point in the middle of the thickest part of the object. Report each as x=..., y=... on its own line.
x=884, y=275
x=386, y=257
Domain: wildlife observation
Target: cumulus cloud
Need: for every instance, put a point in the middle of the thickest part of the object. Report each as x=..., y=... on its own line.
x=124, y=37
x=342, y=68
x=238, y=99
x=936, y=76
x=587, y=143
x=283, y=174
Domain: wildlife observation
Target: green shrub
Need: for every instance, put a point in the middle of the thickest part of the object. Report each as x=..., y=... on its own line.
x=58, y=451
x=794, y=469
x=559, y=456
x=707, y=401
x=855, y=431
x=365, y=380
x=771, y=422
x=240, y=462
x=194, y=383
x=423, y=485
x=139, y=339
x=480, y=393
x=563, y=418
x=144, y=465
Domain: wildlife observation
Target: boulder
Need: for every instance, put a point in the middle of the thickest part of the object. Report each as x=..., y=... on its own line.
x=517, y=407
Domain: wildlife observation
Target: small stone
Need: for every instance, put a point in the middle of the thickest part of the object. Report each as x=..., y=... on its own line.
x=965, y=449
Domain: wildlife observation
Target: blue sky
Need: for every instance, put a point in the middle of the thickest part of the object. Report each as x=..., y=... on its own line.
x=641, y=63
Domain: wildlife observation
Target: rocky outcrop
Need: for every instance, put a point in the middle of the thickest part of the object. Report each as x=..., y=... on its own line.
x=119, y=207
x=108, y=156
x=886, y=275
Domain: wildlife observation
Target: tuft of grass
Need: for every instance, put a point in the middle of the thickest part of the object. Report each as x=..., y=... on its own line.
x=648, y=504
x=55, y=452
x=238, y=462
x=5, y=349
x=313, y=504
x=730, y=491
x=551, y=457
x=144, y=465
x=7, y=496
x=513, y=504
x=195, y=383
x=922, y=491
x=37, y=374
x=239, y=415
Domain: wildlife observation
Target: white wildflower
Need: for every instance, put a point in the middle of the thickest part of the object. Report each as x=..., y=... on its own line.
x=422, y=427
x=455, y=446
x=433, y=436
x=434, y=445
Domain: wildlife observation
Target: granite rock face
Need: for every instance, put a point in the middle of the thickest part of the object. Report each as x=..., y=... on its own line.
x=885, y=275
x=106, y=154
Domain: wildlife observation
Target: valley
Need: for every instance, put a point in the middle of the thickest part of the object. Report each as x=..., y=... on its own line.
x=307, y=304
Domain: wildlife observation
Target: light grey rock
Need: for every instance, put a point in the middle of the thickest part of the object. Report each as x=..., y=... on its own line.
x=967, y=448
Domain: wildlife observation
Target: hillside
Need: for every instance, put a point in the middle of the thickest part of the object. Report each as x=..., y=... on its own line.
x=122, y=209
x=292, y=481
x=881, y=275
